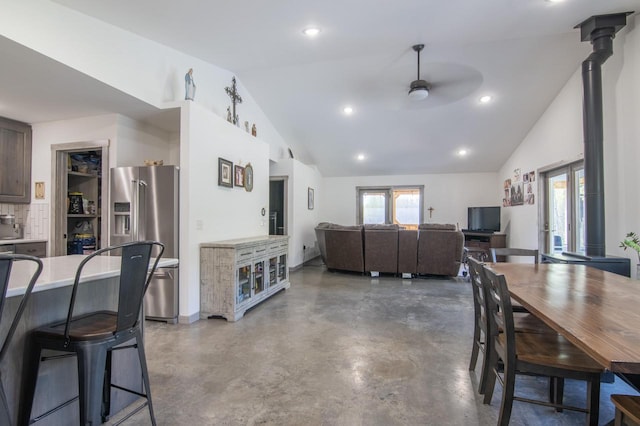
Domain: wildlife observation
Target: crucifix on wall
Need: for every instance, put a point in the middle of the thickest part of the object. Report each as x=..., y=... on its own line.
x=235, y=98
x=431, y=209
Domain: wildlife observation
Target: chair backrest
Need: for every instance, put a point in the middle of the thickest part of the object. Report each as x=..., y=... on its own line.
x=495, y=252
x=475, y=273
x=6, y=264
x=136, y=271
x=499, y=310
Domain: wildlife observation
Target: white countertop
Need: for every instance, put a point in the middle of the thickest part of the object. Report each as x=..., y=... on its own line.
x=20, y=241
x=60, y=272
x=241, y=242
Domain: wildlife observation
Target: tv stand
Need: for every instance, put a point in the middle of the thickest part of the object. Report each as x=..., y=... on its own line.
x=484, y=240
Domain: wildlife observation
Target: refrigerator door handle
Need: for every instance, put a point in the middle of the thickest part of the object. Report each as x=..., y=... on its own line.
x=142, y=210
x=134, y=209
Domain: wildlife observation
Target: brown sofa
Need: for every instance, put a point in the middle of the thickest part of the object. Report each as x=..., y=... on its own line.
x=381, y=248
x=341, y=247
x=440, y=249
x=408, y=252
x=434, y=249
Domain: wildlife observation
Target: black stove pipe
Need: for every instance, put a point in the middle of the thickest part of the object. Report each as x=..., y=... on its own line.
x=600, y=30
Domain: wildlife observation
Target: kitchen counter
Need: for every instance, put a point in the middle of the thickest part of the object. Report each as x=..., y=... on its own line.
x=60, y=272
x=4, y=242
x=49, y=303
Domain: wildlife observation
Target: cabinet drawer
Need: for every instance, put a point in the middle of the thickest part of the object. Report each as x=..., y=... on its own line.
x=32, y=249
x=244, y=254
x=260, y=250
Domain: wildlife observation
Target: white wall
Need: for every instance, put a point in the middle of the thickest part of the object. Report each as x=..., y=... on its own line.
x=138, y=142
x=448, y=194
x=557, y=137
x=210, y=212
x=137, y=66
x=103, y=127
x=300, y=220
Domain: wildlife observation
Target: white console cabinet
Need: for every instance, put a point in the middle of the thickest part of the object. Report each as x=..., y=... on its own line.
x=235, y=275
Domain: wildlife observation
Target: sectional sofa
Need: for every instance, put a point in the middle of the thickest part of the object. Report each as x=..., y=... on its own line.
x=434, y=249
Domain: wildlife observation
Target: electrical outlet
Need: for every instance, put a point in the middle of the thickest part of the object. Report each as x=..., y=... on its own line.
x=199, y=225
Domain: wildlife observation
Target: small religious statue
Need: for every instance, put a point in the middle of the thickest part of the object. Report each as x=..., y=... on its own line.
x=189, y=86
x=229, y=114
x=254, y=131
x=246, y=126
x=232, y=92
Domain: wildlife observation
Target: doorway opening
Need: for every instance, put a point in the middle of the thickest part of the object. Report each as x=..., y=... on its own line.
x=278, y=205
x=563, y=209
x=79, y=170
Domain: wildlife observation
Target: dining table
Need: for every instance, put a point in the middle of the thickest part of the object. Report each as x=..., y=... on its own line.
x=598, y=311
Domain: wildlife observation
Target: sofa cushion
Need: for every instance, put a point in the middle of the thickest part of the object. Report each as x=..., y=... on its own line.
x=381, y=226
x=438, y=226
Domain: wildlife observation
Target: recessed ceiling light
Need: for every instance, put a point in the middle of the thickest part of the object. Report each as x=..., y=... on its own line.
x=360, y=157
x=485, y=99
x=462, y=152
x=311, y=31
x=555, y=1
x=348, y=110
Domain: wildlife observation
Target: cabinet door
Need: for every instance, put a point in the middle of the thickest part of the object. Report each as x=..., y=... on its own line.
x=259, y=282
x=243, y=283
x=32, y=249
x=273, y=271
x=15, y=162
x=283, y=270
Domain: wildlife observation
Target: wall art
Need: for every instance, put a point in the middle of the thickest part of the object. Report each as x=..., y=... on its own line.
x=225, y=173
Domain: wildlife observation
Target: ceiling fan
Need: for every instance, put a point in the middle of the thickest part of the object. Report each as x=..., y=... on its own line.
x=419, y=89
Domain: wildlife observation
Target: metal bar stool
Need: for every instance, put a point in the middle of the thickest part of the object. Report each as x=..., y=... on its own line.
x=6, y=264
x=92, y=337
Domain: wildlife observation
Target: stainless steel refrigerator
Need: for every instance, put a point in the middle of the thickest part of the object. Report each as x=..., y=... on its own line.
x=144, y=205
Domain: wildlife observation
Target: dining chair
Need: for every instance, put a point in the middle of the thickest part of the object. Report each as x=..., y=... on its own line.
x=523, y=323
x=500, y=253
x=542, y=354
x=627, y=410
x=92, y=337
x=6, y=264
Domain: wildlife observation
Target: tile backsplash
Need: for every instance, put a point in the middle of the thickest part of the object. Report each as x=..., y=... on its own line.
x=33, y=217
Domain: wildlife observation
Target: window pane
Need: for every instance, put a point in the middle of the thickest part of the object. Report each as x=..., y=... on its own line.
x=579, y=210
x=373, y=207
x=558, y=219
x=406, y=207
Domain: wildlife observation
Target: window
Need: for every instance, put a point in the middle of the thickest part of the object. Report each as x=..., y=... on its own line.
x=564, y=226
x=401, y=205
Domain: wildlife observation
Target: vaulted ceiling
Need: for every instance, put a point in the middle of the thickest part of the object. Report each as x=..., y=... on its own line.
x=520, y=52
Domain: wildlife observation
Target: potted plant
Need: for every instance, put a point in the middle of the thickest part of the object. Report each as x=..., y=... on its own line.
x=632, y=241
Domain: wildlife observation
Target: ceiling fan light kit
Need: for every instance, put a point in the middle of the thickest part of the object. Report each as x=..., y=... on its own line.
x=419, y=89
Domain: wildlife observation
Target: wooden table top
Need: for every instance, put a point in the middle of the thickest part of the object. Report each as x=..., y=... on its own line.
x=597, y=311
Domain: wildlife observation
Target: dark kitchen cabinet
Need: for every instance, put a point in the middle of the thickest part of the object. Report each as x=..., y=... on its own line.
x=15, y=162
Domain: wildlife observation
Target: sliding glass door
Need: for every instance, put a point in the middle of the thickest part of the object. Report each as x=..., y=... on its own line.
x=399, y=205
x=564, y=209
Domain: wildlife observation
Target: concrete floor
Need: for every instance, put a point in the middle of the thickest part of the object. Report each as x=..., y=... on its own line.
x=338, y=349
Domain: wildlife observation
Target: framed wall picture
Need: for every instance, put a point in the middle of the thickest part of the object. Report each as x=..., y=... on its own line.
x=248, y=178
x=239, y=176
x=225, y=173
x=310, y=200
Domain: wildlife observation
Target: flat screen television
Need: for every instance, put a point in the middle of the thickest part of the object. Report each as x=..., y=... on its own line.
x=483, y=219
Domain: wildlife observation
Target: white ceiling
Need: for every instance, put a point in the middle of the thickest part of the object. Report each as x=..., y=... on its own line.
x=519, y=51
